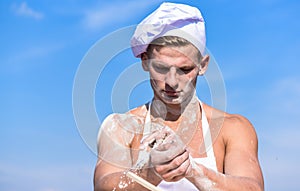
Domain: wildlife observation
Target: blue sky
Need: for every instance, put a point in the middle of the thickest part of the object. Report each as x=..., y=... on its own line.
x=255, y=43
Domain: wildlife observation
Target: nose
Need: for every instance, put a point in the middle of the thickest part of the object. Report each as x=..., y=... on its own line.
x=171, y=78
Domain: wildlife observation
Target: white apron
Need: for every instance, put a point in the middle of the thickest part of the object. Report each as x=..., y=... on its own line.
x=209, y=161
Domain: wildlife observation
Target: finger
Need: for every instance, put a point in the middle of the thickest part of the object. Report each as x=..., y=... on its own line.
x=173, y=164
x=147, y=143
x=171, y=147
x=154, y=139
x=158, y=134
x=166, y=152
x=164, y=157
x=148, y=140
x=178, y=173
x=165, y=144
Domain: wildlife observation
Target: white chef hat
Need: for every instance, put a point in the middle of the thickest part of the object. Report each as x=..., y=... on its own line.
x=170, y=19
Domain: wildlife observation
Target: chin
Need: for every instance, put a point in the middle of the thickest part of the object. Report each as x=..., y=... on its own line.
x=171, y=100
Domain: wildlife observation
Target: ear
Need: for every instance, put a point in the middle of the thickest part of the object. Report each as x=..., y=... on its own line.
x=203, y=65
x=145, y=62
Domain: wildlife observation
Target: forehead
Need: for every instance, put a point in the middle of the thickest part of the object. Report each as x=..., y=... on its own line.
x=176, y=55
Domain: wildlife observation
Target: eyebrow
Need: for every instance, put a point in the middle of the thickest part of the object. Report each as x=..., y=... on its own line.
x=163, y=64
x=159, y=63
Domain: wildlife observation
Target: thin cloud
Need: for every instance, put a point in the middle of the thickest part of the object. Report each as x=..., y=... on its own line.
x=27, y=57
x=281, y=170
x=24, y=10
x=52, y=177
x=111, y=14
x=278, y=122
x=286, y=93
x=280, y=157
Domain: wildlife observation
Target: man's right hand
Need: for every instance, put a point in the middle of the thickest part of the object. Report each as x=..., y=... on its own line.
x=169, y=156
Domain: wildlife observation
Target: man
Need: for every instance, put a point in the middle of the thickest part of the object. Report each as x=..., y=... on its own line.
x=176, y=142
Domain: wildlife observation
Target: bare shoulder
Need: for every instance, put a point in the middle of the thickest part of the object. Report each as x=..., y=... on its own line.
x=238, y=129
x=139, y=111
x=237, y=121
x=230, y=126
x=233, y=132
x=131, y=119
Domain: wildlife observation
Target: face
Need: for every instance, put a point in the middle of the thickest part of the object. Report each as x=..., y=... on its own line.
x=173, y=72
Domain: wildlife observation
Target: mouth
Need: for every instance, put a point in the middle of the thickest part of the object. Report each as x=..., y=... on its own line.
x=171, y=93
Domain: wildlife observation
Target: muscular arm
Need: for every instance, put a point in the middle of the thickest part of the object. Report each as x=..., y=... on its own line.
x=115, y=157
x=241, y=167
x=109, y=177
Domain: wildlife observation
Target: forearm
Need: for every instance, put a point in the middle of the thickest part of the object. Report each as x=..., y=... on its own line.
x=119, y=181
x=207, y=180
x=115, y=181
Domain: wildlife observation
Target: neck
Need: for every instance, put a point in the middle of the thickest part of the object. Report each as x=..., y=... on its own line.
x=170, y=112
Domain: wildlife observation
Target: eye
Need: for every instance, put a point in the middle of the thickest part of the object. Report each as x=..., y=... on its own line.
x=186, y=70
x=160, y=68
